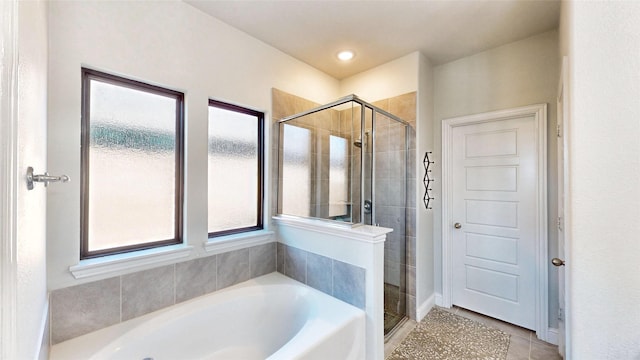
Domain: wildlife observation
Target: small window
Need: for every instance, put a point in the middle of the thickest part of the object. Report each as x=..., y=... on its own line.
x=132, y=165
x=236, y=156
x=338, y=176
x=296, y=170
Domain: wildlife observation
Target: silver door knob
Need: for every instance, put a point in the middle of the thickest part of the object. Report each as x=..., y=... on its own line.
x=557, y=262
x=457, y=225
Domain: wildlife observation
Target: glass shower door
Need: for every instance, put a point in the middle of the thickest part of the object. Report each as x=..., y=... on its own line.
x=389, y=184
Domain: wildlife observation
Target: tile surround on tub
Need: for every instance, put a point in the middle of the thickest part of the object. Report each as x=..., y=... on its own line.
x=349, y=283
x=84, y=308
x=81, y=309
x=147, y=291
x=317, y=275
x=233, y=268
x=195, y=278
x=280, y=251
x=295, y=264
x=262, y=259
x=336, y=278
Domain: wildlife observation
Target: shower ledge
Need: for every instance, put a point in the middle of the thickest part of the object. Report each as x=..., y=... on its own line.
x=364, y=233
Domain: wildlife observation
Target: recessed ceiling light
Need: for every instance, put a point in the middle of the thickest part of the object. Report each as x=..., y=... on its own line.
x=345, y=55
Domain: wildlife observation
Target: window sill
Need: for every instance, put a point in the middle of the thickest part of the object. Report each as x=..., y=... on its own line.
x=222, y=244
x=113, y=264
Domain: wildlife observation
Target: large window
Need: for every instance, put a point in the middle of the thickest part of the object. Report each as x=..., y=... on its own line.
x=236, y=152
x=132, y=165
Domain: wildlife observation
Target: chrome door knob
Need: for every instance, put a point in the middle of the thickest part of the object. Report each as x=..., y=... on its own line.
x=457, y=225
x=557, y=262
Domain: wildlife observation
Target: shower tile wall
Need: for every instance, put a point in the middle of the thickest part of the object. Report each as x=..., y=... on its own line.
x=81, y=309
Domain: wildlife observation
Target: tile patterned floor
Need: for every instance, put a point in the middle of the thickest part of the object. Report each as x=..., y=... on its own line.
x=523, y=345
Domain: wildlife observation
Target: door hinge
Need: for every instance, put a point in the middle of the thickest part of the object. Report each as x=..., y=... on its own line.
x=558, y=130
x=560, y=223
x=560, y=314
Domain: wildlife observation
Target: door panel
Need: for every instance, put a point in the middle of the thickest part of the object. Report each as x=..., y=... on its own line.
x=492, y=178
x=491, y=143
x=494, y=283
x=494, y=198
x=495, y=248
x=492, y=213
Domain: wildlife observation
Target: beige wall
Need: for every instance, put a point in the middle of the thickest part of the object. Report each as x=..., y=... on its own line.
x=425, y=281
x=521, y=73
x=602, y=40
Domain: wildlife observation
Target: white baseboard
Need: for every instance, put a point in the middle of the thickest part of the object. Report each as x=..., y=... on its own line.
x=439, y=299
x=552, y=336
x=425, y=307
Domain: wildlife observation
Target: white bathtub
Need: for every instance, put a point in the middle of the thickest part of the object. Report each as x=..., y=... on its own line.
x=270, y=317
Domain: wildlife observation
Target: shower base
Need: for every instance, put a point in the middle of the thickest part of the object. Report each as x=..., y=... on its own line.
x=393, y=308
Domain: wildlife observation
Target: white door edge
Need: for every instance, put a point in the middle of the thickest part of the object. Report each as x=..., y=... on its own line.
x=8, y=178
x=539, y=111
x=563, y=90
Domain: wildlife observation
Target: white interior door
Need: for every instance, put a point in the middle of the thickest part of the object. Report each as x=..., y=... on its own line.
x=494, y=206
x=23, y=134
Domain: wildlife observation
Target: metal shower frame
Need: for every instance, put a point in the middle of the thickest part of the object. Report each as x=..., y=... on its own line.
x=374, y=110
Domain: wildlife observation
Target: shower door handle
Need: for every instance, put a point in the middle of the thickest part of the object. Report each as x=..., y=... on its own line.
x=368, y=206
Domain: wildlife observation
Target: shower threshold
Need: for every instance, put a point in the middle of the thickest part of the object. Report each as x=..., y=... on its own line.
x=395, y=323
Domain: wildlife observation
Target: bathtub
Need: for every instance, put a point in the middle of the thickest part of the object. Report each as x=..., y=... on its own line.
x=270, y=317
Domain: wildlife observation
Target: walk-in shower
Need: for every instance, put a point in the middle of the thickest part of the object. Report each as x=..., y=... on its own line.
x=346, y=162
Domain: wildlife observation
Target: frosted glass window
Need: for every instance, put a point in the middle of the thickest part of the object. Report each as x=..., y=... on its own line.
x=132, y=165
x=235, y=169
x=338, y=176
x=296, y=171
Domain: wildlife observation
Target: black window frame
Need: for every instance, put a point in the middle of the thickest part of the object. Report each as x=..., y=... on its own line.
x=260, y=169
x=87, y=76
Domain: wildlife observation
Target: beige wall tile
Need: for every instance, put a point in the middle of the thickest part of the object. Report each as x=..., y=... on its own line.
x=147, y=291
x=81, y=309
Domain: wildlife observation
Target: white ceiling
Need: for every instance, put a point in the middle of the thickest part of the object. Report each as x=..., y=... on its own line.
x=315, y=31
